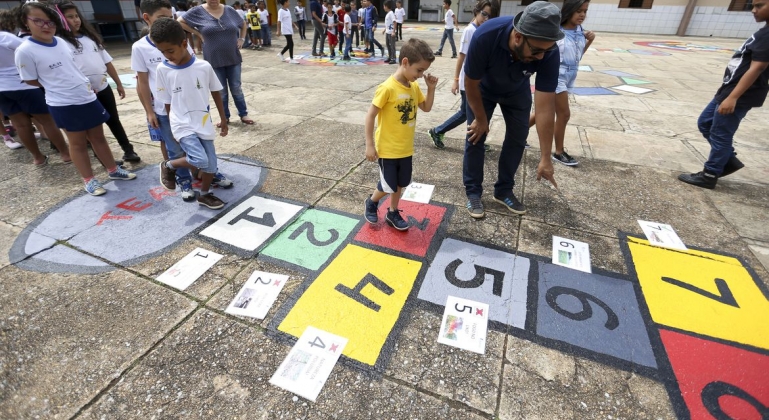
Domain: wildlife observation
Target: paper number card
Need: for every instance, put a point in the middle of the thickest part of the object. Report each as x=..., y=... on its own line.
x=182, y=274
x=258, y=294
x=464, y=324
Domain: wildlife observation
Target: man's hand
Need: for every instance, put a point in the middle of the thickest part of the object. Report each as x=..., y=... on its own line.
x=152, y=120
x=223, y=128
x=371, y=155
x=431, y=80
x=455, y=87
x=727, y=106
x=477, y=129
x=545, y=170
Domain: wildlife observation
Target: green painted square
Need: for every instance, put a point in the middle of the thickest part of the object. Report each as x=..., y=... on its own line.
x=311, y=239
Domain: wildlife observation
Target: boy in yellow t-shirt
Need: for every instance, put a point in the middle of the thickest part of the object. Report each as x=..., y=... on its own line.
x=254, y=22
x=395, y=110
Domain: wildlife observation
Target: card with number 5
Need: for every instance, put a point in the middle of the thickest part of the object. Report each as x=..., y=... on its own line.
x=464, y=324
x=309, y=363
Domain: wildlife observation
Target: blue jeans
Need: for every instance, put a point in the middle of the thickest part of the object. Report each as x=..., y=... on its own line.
x=372, y=41
x=200, y=153
x=719, y=131
x=230, y=75
x=515, y=110
x=247, y=42
x=172, y=146
x=347, y=45
x=266, y=40
x=448, y=33
x=455, y=120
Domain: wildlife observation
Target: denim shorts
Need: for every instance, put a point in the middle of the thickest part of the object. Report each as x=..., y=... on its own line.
x=394, y=173
x=200, y=153
x=567, y=75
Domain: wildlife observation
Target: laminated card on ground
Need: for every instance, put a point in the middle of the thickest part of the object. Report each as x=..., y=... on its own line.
x=258, y=294
x=663, y=235
x=182, y=274
x=309, y=363
x=464, y=324
x=572, y=254
x=418, y=193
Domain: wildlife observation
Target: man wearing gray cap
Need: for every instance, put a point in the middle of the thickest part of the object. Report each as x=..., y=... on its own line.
x=503, y=55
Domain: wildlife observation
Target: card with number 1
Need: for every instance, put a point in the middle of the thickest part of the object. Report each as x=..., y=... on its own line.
x=464, y=324
x=309, y=363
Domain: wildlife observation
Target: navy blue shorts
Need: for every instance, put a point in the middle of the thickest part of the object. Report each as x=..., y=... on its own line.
x=394, y=173
x=79, y=117
x=29, y=101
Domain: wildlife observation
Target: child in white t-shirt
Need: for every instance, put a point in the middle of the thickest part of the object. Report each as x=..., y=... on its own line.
x=347, y=29
x=46, y=60
x=330, y=21
x=95, y=63
x=184, y=84
x=286, y=28
x=450, y=20
x=264, y=17
x=400, y=15
x=389, y=31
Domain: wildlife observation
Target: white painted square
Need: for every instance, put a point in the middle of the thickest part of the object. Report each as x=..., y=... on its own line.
x=660, y=234
x=257, y=296
x=309, y=363
x=418, y=193
x=182, y=274
x=632, y=89
x=464, y=324
x=264, y=219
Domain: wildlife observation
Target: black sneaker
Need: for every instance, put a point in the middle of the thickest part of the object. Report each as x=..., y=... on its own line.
x=381, y=50
x=131, y=157
x=395, y=220
x=371, y=211
x=565, y=159
x=701, y=179
x=512, y=204
x=437, y=53
x=732, y=166
x=453, y=56
x=211, y=201
x=475, y=207
x=437, y=138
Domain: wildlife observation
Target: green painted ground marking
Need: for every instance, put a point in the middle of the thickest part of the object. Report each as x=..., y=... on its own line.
x=311, y=239
x=631, y=81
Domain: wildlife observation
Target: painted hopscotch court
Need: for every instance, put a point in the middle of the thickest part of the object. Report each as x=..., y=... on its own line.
x=691, y=319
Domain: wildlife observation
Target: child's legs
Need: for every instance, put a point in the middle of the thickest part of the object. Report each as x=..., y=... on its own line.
x=443, y=39
x=290, y=40
x=49, y=130
x=171, y=148
x=100, y=147
x=705, y=121
x=107, y=99
x=451, y=41
x=562, y=115
x=197, y=158
x=341, y=41
x=78, y=146
x=391, y=46
x=23, y=126
x=348, y=45
x=722, y=137
x=455, y=120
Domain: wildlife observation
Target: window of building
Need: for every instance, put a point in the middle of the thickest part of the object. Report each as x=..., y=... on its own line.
x=526, y=2
x=740, y=5
x=638, y=4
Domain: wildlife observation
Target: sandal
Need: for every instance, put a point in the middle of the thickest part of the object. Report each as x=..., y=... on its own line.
x=44, y=163
x=246, y=121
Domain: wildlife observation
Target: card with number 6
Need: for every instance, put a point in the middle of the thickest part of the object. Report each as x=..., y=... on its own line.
x=464, y=324
x=309, y=363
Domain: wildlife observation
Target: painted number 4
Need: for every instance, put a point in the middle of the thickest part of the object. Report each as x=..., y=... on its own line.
x=478, y=311
x=317, y=342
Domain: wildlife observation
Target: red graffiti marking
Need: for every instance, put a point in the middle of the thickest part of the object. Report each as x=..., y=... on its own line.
x=158, y=193
x=133, y=205
x=108, y=216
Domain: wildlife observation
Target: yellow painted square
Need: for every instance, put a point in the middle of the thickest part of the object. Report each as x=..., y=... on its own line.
x=323, y=307
x=677, y=307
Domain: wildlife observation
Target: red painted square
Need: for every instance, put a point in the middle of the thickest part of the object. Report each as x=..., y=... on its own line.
x=423, y=218
x=706, y=370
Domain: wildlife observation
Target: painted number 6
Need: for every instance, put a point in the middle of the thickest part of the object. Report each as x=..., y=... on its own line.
x=612, y=321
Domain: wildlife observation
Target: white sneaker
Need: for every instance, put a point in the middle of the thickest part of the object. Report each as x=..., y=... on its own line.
x=280, y=56
x=293, y=62
x=11, y=143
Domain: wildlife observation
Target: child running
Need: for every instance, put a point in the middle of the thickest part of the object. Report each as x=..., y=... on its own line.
x=95, y=63
x=572, y=47
x=286, y=28
x=395, y=110
x=45, y=60
x=745, y=86
x=483, y=11
x=184, y=84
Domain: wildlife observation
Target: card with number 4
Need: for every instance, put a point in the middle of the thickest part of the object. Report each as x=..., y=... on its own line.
x=309, y=363
x=258, y=294
x=464, y=324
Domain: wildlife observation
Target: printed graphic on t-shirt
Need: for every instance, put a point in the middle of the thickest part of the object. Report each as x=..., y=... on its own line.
x=736, y=61
x=407, y=108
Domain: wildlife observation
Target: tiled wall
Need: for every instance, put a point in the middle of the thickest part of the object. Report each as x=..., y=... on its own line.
x=662, y=20
x=85, y=9
x=129, y=9
x=717, y=21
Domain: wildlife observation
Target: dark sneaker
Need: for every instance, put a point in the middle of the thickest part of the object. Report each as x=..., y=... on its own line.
x=512, y=204
x=565, y=159
x=122, y=174
x=700, y=179
x=221, y=181
x=475, y=207
x=188, y=194
x=381, y=50
x=453, y=56
x=437, y=53
x=211, y=201
x=371, y=211
x=437, y=138
x=732, y=166
x=395, y=220
x=131, y=157
x=167, y=177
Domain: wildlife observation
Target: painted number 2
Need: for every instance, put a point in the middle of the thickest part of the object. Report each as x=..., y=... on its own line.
x=612, y=321
x=310, y=228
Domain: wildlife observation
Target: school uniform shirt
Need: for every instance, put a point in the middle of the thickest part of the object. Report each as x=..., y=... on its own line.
x=572, y=46
x=253, y=20
x=299, y=13
x=399, y=15
x=335, y=8
x=285, y=22
x=397, y=117
x=9, y=75
x=347, y=24
x=53, y=65
x=242, y=13
x=755, y=48
x=353, y=16
x=331, y=21
x=464, y=47
x=264, y=17
x=389, y=22
x=187, y=89
x=92, y=61
x=449, y=19
x=145, y=57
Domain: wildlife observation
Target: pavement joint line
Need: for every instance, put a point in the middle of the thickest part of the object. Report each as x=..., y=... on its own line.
x=450, y=401
x=501, y=377
x=133, y=364
x=694, y=150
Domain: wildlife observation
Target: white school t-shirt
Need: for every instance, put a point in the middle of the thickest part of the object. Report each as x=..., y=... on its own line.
x=284, y=17
x=449, y=19
x=53, y=65
x=399, y=14
x=264, y=17
x=145, y=57
x=92, y=61
x=389, y=22
x=299, y=13
x=9, y=74
x=188, y=88
x=347, y=24
x=464, y=47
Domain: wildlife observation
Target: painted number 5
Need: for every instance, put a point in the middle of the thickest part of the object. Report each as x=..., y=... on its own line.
x=612, y=321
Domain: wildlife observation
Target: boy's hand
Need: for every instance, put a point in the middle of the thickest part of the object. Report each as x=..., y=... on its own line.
x=431, y=80
x=121, y=91
x=371, y=155
x=455, y=87
x=589, y=35
x=152, y=120
x=223, y=128
x=727, y=106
